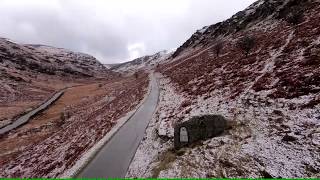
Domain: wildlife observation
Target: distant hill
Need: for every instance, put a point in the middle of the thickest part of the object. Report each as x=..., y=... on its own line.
x=30, y=73
x=142, y=63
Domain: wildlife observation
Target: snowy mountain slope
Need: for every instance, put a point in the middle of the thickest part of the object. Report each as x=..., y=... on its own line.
x=271, y=97
x=75, y=62
x=30, y=73
x=49, y=60
x=142, y=63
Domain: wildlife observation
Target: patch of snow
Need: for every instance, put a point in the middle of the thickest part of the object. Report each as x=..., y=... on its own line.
x=269, y=65
x=203, y=29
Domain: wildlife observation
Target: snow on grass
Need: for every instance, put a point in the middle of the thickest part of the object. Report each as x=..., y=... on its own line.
x=261, y=144
x=256, y=146
x=269, y=65
x=85, y=159
x=271, y=135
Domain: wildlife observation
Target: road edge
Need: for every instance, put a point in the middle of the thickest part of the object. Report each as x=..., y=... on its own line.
x=76, y=169
x=36, y=110
x=155, y=110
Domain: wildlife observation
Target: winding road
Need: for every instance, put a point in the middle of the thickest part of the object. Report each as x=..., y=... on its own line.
x=113, y=160
x=25, y=118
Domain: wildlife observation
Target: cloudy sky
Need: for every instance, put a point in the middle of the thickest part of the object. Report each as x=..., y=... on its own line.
x=111, y=30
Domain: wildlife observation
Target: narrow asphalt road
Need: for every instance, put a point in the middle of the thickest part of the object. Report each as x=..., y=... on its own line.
x=114, y=158
x=25, y=118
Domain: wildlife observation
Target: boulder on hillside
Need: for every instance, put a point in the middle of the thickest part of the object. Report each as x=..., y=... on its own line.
x=198, y=128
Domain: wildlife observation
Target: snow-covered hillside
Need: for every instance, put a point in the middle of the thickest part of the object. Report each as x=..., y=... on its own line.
x=48, y=60
x=30, y=73
x=142, y=63
x=74, y=61
x=270, y=97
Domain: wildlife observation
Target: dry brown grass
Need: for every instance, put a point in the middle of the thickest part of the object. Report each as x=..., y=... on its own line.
x=164, y=163
x=43, y=125
x=89, y=107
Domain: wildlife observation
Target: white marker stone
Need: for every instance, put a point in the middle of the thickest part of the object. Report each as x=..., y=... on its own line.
x=183, y=135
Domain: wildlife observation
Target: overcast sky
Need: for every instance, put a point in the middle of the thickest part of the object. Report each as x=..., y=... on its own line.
x=111, y=30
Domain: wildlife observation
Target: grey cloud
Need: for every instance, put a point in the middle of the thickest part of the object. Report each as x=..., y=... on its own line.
x=106, y=31
x=48, y=28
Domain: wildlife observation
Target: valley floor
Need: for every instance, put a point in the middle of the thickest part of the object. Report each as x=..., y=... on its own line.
x=27, y=96
x=54, y=140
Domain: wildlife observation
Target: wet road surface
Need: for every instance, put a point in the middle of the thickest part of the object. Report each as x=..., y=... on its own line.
x=114, y=158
